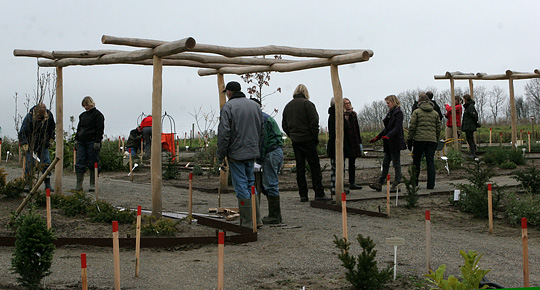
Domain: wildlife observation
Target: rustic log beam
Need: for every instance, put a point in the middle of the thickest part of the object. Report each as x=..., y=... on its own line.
x=457, y=73
x=484, y=76
x=288, y=67
x=96, y=61
x=33, y=53
x=83, y=53
x=510, y=73
x=536, y=71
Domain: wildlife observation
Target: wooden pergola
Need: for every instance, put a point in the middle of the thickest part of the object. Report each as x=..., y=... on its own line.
x=509, y=75
x=213, y=60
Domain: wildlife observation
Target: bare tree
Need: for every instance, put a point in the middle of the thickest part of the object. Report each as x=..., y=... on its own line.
x=497, y=99
x=257, y=81
x=480, y=98
x=371, y=116
x=522, y=110
x=532, y=93
x=206, y=122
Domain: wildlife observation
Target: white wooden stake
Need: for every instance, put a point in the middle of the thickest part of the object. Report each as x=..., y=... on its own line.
x=428, y=240
x=221, y=256
x=116, y=256
x=344, y=215
x=138, y=241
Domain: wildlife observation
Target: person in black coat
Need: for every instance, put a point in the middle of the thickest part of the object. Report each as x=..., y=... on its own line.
x=393, y=142
x=331, y=146
x=470, y=123
x=88, y=137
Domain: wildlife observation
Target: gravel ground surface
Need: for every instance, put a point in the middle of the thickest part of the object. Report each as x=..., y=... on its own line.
x=301, y=255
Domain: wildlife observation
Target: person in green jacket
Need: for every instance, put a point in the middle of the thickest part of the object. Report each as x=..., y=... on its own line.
x=424, y=131
x=470, y=123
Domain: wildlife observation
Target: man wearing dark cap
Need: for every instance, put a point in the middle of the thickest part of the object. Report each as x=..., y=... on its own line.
x=240, y=134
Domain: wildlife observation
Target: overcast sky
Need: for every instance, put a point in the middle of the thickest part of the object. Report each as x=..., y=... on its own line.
x=411, y=40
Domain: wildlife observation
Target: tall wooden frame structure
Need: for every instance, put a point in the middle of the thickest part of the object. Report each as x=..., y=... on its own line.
x=508, y=75
x=213, y=60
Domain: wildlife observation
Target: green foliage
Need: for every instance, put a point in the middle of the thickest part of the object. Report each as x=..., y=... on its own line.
x=362, y=272
x=110, y=159
x=508, y=165
x=455, y=159
x=470, y=277
x=76, y=204
x=524, y=206
x=105, y=212
x=516, y=156
x=529, y=179
x=14, y=188
x=197, y=169
x=171, y=170
x=501, y=156
x=3, y=176
x=411, y=187
x=158, y=227
x=34, y=249
x=473, y=198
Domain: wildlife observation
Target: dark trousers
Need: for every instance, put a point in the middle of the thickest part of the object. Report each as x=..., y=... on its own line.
x=87, y=156
x=428, y=149
x=147, y=136
x=393, y=157
x=302, y=152
x=470, y=140
x=352, y=170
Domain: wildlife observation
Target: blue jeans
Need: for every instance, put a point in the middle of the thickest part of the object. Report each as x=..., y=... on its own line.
x=271, y=166
x=133, y=151
x=395, y=158
x=428, y=149
x=86, y=157
x=44, y=158
x=242, y=177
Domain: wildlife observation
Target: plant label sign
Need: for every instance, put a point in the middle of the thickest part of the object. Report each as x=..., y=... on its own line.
x=395, y=241
x=457, y=192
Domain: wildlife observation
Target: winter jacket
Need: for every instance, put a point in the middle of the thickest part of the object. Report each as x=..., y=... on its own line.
x=448, y=115
x=331, y=146
x=470, y=117
x=146, y=122
x=134, y=139
x=272, y=135
x=300, y=120
x=37, y=133
x=435, y=107
x=240, y=130
x=352, y=131
x=91, y=126
x=393, y=129
x=425, y=124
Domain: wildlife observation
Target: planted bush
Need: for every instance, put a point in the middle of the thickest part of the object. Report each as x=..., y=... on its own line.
x=529, y=179
x=110, y=159
x=524, y=206
x=75, y=204
x=158, y=227
x=455, y=159
x=105, y=212
x=14, y=188
x=473, y=198
x=411, y=188
x=470, y=278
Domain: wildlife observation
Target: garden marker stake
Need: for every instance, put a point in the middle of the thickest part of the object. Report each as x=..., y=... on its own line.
x=529, y=133
x=344, y=215
x=388, y=195
x=489, y=136
x=253, y=209
x=130, y=165
x=74, y=158
x=23, y=165
x=395, y=242
x=116, y=255
x=138, y=241
x=142, y=149
x=490, y=208
x=20, y=153
x=185, y=137
x=48, y=206
x=525, y=239
x=119, y=144
x=221, y=257
x=123, y=148
x=428, y=240
x=96, y=178
x=84, y=277
x=500, y=137
x=190, y=200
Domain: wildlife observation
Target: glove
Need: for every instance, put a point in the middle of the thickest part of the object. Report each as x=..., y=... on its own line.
x=410, y=144
x=374, y=139
x=24, y=147
x=97, y=146
x=385, y=138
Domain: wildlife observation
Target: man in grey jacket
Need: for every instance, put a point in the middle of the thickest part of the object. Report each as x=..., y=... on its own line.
x=240, y=134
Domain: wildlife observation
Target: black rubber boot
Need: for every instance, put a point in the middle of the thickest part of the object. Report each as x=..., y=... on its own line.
x=274, y=211
x=80, y=179
x=48, y=184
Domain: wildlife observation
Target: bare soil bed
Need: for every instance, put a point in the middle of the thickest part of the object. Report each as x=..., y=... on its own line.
x=299, y=254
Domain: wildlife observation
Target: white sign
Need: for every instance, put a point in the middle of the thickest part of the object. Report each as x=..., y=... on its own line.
x=457, y=192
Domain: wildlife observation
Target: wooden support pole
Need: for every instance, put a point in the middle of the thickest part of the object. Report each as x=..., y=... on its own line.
x=525, y=245
x=116, y=256
x=138, y=242
x=1, y=151
x=20, y=156
x=428, y=240
x=344, y=215
x=513, y=113
x=177, y=147
x=155, y=165
x=119, y=144
x=84, y=274
x=59, y=170
x=190, y=201
x=490, y=208
x=48, y=206
x=253, y=209
x=221, y=260
x=454, y=121
x=338, y=98
x=388, y=195
x=96, y=175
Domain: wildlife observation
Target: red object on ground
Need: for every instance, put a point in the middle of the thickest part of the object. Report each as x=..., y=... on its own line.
x=221, y=238
x=115, y=226
x=428, y=215
x=388, y=177
x=139, y=210
x=523, y=223
x=95, y=165
x=252, y=190
x=191, y=175
x=83, y=260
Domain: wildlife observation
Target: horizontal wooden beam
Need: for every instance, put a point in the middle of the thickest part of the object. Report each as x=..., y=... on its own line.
x=33, y=53
x=288, y=67
x=484, y=76
x=97, y=61
x=83, y=53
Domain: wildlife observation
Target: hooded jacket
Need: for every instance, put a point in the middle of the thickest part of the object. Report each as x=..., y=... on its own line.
x=470, y=117
x=393, y=129
x=300, y=120
x=240, y=130
x=37, y=133
x=425, y=124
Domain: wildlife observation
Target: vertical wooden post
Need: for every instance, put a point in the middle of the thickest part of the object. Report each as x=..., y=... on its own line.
x=48, y=206
x=454, y=121
x=388, y=195
x=525, y=244
x=130, y=165
x=223, y=174
x=489, y=136
x=338, y=98
x=123, y=145
x=138, y=241
x=490, y=209
x=428, y=240
x=253, y=209
x=221, y=258
x=190, y=201
x=96, y=174
x=529, y=141
x=116, y=256
x=513, y=112
x=74, y=158
x=84, y=275
x=59, y=169
x=344, y=215
x=155, y=165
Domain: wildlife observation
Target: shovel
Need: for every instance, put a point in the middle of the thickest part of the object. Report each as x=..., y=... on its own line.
x=134, y=166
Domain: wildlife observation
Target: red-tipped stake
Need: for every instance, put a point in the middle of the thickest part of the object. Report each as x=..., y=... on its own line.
x=190, y=202
x=500, y=136
x=48, y=206
x=529, y=139
x=490, y=136
x=138, y=241
x=428, y=240
x=123, y=148
x=221, y=257
x=96, y=178
x=116, y=255
x=490, y=208
x=84, y=276
x=253, y=209
x=525, y=239
x=388, y=195
x=344, y=215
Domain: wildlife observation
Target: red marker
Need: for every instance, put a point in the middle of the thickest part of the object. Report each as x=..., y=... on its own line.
x=428, y=215
x=83, y=261
x=115, y=226
x=48, y=192
x=343, y=196
x=523, y=223
x=221, y=238
x=253, y=190
x=191, y=175
x=95, y=165
x=139, y=210
x=489, y=186
x=388, y=177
